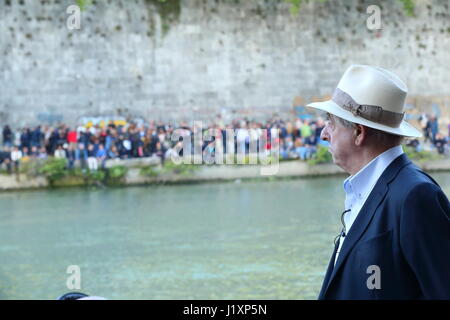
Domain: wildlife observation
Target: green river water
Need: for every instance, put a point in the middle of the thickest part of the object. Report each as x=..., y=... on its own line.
x=248, y=240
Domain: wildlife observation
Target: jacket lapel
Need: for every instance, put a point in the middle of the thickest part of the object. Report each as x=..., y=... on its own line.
x=330, y=268
x=366, y=214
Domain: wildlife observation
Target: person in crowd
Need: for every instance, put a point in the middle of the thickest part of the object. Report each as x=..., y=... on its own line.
x=160, y=152
x=92, y=158
x=25, y=154
x=424, y=124
x=135, y=140
x=5, y=159
x=415, y=144
x=287, y=148
x=81, y=156
x=243, y=139
x=440, y=143
x=84, y=137
x=101, y=135
x=16, y=155
x=297, y=139
x=306, y=132
x=34, y=152
x=36, y=137
x=53, y=141
x=433, y=128
x=111, y=125
x=7, y=137
x=302, y=149
x=25, y=138
x=71, y=155
x=101, y=156
x=42, y=153
x=112, y=153
x=320, y=124
x=72, y=139
x=60, y=153
x=298, y=147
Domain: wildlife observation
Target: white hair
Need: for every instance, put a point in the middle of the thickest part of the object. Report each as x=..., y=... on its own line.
x=380, y=137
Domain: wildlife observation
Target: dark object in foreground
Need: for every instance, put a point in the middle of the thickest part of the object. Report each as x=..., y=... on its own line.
x=73, y=296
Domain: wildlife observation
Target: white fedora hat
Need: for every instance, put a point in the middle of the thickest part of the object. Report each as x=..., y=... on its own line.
x=373, y=97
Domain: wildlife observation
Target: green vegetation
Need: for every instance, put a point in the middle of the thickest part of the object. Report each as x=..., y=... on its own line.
x=57, y=173
x=32, y=168
x=421, y=156
x=296, y=4
x=115, y=175
x=54, y=169
x=83, y=4
x=180, y=169
x=117, y=172
x=321, y=156
x=408, y=6
x=168, y=168
x=168, y=10
x=95, y=177
x=149, y=171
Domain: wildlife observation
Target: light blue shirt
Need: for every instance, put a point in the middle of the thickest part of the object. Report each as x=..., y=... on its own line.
x=358, y=186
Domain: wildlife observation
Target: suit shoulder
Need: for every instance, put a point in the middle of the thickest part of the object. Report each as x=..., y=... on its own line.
x=410, y=177
x=411, y=181
x=417, y=190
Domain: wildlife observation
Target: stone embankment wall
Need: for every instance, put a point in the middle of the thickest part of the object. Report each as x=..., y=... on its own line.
x=193, y=59
x=289, y=169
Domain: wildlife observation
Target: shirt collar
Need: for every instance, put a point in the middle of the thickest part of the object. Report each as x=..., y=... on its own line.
x=360, y=184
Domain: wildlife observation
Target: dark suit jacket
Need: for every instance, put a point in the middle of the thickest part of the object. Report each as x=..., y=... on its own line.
x=404, y=229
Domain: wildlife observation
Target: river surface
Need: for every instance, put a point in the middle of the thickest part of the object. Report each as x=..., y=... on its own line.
x=247, y=240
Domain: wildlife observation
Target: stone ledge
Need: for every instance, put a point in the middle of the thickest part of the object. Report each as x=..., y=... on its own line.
x=288, y=169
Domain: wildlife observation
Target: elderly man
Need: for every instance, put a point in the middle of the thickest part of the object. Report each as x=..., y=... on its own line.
x=395, y=241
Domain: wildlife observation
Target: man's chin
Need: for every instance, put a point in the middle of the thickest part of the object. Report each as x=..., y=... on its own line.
x=339, y=164
x=332, y=156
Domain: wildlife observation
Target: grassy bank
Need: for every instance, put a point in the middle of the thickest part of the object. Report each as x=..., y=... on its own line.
x=53, y=172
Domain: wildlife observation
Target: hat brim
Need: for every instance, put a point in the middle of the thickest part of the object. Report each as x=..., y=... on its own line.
x=405, y=129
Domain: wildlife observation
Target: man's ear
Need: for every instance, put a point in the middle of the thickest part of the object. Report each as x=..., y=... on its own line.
x=360, y=134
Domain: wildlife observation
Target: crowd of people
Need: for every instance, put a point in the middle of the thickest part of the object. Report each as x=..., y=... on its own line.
x=430, y=129
x=89, y=146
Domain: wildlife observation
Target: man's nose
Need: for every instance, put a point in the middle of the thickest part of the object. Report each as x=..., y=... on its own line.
x=324, y=134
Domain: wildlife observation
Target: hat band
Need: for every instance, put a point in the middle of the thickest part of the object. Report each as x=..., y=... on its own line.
x=368, y=112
